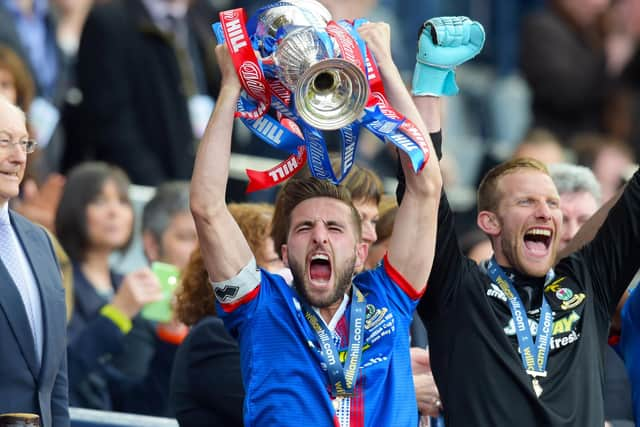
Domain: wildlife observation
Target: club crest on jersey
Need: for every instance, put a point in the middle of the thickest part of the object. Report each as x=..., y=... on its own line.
x=564, y=294
x=375, y=316
x=573, y=301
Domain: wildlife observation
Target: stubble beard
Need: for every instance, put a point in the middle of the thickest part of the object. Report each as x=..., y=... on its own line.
x=511, y=253
x=342, y=282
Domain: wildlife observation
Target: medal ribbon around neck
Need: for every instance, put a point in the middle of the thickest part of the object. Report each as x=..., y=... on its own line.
x=342, y=378
x=534, y=354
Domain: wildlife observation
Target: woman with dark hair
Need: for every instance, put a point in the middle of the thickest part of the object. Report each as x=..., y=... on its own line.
x=93, y=220
x=209, y=355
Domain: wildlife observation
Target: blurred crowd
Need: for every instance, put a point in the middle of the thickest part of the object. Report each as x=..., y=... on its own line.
x=118, y=92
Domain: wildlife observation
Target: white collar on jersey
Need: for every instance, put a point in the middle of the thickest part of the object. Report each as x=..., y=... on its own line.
x=338, y=314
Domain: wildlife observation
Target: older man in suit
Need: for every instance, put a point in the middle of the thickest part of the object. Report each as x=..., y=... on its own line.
x=33, y=367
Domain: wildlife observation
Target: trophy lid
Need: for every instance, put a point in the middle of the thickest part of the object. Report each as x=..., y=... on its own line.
x=296, y=13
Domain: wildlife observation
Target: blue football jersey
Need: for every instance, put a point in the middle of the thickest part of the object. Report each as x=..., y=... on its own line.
x=285, y=379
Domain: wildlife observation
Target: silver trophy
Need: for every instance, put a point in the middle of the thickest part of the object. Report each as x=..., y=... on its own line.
x=329, y=92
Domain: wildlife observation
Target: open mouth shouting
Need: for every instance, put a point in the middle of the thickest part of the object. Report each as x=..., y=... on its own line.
x=537, y=241
x=320, y=269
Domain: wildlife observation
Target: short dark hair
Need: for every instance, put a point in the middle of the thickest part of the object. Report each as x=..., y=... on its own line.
x=297, y=190
x=171, y=198
x=84, y=183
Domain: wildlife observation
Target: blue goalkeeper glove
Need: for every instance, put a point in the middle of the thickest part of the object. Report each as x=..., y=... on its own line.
x=444, y=43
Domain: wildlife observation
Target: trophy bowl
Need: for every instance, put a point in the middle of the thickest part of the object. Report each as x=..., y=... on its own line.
x=329, y=93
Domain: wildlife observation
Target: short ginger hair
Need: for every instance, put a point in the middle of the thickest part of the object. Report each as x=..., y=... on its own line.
x=488, y=194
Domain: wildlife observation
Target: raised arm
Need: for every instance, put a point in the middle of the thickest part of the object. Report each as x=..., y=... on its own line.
x=443, y=44
x=224, y=249
x=417, y=214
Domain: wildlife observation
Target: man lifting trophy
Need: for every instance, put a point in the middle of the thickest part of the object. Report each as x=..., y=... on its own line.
x=332, y=347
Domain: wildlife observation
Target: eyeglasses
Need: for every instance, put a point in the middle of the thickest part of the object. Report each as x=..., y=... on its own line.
x=27, y=145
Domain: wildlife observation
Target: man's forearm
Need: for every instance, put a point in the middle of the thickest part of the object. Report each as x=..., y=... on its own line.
x=430, y=111
x=211, y=169
x=224, y=249
x=417, y=213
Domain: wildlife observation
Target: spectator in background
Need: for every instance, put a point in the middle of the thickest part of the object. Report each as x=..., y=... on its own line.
x=563, y=59
x=254, y=220
x=384, y=227
x=609, y=159
x=623, y=48
x=136, y=378
x=37, y=204
x=16, y=83
x=541, y=145
x=33, y=363
x=580, y=198
x=94, y=219
x=168, y=230
x=71, y=16
x=146, y=71
x=29, y=28
x=169, y=236
x=206, y=384
x=366, y=190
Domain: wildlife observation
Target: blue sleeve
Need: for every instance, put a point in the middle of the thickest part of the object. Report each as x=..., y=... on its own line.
x=631, y=309
x=630, y=315
x=238, y=315
x=630, y=318
x=386, y=282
